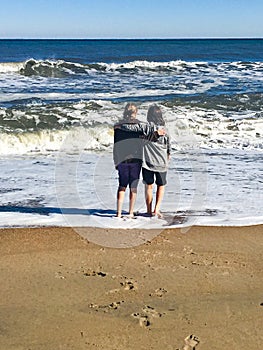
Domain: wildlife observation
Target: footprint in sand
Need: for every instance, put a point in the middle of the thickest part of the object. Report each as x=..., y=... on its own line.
x=129, y=284
x=151, y=311
x=91, y=272
x=145, y=318
x=112, y=306
x=159, y=292
x=191, y=342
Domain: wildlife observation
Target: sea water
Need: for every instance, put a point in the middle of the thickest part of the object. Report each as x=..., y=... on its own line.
x=59, y=100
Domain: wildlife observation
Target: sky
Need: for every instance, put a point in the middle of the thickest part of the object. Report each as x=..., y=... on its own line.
x=131, y=19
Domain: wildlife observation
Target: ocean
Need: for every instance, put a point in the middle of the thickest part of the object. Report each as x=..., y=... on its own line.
x=59, y=100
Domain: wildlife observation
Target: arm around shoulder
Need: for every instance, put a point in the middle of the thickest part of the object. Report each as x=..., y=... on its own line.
x=140, y=128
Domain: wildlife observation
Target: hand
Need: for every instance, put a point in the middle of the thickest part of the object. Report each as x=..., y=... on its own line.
x=161, y=131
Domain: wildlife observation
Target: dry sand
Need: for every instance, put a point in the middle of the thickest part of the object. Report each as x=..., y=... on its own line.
x=59, y=291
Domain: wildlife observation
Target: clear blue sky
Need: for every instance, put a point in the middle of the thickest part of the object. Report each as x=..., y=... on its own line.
x=131, y=18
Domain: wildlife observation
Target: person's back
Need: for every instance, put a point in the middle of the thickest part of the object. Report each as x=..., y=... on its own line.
x=127, y=155
x=156, y=150
x=127, y=146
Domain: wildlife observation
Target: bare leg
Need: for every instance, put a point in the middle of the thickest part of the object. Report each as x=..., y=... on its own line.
x=159, y=198
x=120, y=199
x=149, y=198
x=133, y=194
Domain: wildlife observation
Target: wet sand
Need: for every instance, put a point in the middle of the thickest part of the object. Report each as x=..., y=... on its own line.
x=60, y=291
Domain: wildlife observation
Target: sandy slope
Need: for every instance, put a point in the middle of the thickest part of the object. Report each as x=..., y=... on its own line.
x=58, y=291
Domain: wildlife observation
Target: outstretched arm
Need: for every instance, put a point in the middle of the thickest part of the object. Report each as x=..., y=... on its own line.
x=140, y=128
x=144, y=129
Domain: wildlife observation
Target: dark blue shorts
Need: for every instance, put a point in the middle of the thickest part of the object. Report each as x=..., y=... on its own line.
x=129, y=174
x=148, y=177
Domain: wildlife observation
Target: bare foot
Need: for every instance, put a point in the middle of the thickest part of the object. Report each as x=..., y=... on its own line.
x=117, y=216
x=158, y=214
x=130, y=216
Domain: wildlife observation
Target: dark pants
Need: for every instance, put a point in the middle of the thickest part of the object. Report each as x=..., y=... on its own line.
x=148, y=177
x=129, y=174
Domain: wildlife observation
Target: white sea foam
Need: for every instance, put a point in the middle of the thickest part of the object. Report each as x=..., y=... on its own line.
x=177, y=65
x=189, y=128
x=11, y=67
x=51, y=80
x=48, y=141
x=204, y=188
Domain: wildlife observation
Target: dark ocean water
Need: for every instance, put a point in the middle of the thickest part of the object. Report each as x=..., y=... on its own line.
x=119, y=51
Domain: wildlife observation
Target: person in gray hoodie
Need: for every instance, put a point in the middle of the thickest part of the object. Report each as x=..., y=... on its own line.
x=155, y=156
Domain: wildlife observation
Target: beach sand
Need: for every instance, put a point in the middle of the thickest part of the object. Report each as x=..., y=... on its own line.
x=59, y=291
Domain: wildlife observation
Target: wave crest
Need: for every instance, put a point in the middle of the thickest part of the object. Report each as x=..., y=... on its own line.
x=49, y=141
x=61, y=69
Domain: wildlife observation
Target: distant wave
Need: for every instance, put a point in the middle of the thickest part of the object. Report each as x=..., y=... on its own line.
x=11, y=67
x=45, y=68
x=228, y=103
x=61, y=69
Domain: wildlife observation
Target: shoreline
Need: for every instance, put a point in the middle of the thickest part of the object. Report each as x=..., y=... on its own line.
x=60, y=291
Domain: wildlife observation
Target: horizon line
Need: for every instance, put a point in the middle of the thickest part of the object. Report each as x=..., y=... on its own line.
x=133, y=38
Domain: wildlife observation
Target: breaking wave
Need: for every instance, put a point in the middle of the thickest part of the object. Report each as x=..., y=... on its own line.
x=49, y=141
x=44, y=127
x=61, y=68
